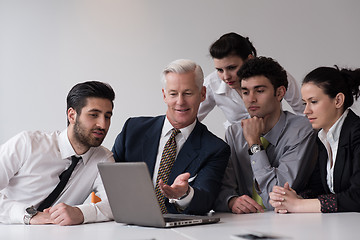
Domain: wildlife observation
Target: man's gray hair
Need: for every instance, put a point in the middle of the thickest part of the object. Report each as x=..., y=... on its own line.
x=184, y=66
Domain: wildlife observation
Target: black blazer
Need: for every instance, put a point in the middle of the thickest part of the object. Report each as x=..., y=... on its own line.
x=203, y=155
x=346, y=171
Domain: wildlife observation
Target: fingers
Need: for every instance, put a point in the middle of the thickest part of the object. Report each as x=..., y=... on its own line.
x=56, y=212
x=276, y=204
x=46, y=210
x=278, y=190
x=184, y=177
x=281, y=211
x=167, y=191
x=174, y=191
x=64, y=215
x=287, y=186
x=41, y=218
x=178, y=188
x=276, y=197
x=60, y=215
x=246, y=204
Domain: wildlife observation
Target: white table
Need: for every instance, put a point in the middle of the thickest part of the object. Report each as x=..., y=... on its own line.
x=289, y=226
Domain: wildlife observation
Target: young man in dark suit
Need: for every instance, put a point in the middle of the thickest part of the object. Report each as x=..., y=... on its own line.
x=199, y=158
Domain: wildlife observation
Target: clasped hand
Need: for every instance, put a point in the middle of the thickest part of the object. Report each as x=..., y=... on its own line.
x=60, y=214
x=284, y=199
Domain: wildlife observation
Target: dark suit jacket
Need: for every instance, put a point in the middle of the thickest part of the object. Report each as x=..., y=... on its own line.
x=203, y=154
x=346, y=171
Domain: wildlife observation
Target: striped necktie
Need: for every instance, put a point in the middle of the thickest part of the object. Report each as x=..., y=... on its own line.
x=166, y=164
x=265, y=143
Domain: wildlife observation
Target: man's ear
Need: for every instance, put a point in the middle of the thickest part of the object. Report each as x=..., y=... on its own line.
x=203, y=93
x=164, y=94
x=71, y=114
x=280, y=92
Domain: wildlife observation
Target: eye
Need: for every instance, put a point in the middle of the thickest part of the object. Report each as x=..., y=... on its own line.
x=220, y=70
x=314, y=101
x=93, y=115
x=244, y=92
x=231, y=67
x=260, y=89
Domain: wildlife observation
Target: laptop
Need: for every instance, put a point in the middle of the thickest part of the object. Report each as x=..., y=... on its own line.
x=132, y=198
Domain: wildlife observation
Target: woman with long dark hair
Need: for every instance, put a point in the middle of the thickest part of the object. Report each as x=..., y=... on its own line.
x=328, y=93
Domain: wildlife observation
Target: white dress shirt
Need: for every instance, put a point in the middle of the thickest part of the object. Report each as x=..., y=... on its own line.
x=331, y=143
x=30, y=165
x=218, y=93
x=180, y=140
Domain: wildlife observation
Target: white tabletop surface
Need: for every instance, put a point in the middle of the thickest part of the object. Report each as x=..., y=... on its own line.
x=288, y=226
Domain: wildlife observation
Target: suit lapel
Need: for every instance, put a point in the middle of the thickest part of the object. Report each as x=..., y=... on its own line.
x=188, y=153
x=151, y=144
x=323, y=157
x=341, y=156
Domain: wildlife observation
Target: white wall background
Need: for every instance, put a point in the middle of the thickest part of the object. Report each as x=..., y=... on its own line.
x=47, y=46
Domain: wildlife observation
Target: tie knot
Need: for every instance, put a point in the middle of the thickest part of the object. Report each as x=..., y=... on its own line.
x=75, y=160
x=174, y=132
x=264, y=142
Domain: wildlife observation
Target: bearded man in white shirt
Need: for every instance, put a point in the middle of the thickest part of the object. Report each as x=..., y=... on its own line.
x=31, y=164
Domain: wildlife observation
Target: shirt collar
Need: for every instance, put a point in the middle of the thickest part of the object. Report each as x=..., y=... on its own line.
x=185, y=132
x=66, y=150
x=274, y=134
x=334, y=132
x=222, y=88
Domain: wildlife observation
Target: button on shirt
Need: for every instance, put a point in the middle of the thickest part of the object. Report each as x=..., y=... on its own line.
x=30, y=165
x=180, y=140
x=331, y=143
x=218, y=93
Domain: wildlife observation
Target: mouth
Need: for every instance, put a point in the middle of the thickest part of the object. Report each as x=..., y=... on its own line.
x=98, y=133
x=182, y=110
x=253, y=108
x=230, y=83
x=311, y=119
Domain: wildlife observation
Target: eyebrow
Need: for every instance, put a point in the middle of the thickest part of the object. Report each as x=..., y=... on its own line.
x=258, y=86
x=185, y=90
x=308, y=98
x=97, y=110
x=227, y=66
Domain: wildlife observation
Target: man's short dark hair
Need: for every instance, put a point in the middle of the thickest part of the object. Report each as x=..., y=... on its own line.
x=264, y=66
x=77, y=97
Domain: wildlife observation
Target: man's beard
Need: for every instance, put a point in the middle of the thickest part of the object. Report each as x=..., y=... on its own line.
x=84, y=137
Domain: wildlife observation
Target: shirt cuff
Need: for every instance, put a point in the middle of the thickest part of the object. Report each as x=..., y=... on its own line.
x=184, y=203
x=328, y=203
x=98, y=212
x=260, y=163
x=17, y=213
x=228, y=200
x=88, y=211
